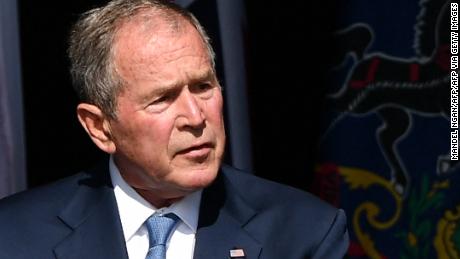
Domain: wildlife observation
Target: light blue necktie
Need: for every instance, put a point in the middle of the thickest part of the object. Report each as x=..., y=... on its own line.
x=159, y=227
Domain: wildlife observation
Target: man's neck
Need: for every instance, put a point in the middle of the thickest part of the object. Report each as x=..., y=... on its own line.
x=155, y=200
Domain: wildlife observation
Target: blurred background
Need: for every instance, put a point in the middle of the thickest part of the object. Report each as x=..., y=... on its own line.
x=347, y=99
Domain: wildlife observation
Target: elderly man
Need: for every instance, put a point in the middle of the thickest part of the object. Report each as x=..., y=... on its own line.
x=144, y=70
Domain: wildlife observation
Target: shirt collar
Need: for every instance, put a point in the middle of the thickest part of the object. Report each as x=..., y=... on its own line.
x=134, y=209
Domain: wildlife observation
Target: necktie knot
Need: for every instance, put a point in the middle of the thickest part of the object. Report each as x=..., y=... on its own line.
x=159, y=228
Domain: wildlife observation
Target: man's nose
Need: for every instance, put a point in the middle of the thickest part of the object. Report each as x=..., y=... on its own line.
x=190, y=110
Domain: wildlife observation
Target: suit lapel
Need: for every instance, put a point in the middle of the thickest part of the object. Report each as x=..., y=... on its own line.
x=92, y=216
x=221, y=226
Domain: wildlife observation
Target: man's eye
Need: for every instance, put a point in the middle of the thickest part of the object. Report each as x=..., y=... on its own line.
x=204, y=87
x=160, y=104
x=162, y=99
x=204, y=90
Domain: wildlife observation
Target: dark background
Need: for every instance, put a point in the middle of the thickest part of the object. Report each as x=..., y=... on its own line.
x=288, y=52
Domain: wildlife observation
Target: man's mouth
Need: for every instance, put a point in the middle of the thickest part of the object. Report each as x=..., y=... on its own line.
x=197, y=151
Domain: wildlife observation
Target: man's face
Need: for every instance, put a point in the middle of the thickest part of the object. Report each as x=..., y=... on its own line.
x=169, y=131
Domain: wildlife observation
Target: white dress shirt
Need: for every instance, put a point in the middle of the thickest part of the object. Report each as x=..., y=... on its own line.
x=134, y=211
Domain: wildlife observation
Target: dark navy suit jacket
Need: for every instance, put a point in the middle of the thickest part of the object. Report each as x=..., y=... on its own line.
x=77, y=217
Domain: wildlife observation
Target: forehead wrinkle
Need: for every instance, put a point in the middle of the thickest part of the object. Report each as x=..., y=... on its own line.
x=147, y=64
x=160, y=51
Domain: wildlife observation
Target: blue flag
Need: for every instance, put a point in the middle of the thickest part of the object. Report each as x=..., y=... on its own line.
x=385, y=150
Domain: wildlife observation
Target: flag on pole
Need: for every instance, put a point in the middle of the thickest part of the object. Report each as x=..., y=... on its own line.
x=385, y=151
x=12, y=155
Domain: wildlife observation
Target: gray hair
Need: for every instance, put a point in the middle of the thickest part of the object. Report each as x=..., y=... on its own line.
x=91, y=48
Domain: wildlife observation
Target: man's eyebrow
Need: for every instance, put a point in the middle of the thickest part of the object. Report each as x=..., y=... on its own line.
x=158, y=91
x=203, y=75
x=166, y=87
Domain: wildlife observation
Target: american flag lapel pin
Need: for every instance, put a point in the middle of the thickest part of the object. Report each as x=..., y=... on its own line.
x=237, y=253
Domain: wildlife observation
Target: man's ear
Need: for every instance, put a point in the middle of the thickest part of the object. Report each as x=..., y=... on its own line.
x=97, y=125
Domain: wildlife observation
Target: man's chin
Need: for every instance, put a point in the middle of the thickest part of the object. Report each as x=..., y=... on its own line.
x=197, y=178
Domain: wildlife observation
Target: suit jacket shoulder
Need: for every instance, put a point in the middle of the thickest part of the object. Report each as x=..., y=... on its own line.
x=76, y=217
x=285, y=222
x=265, y=194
